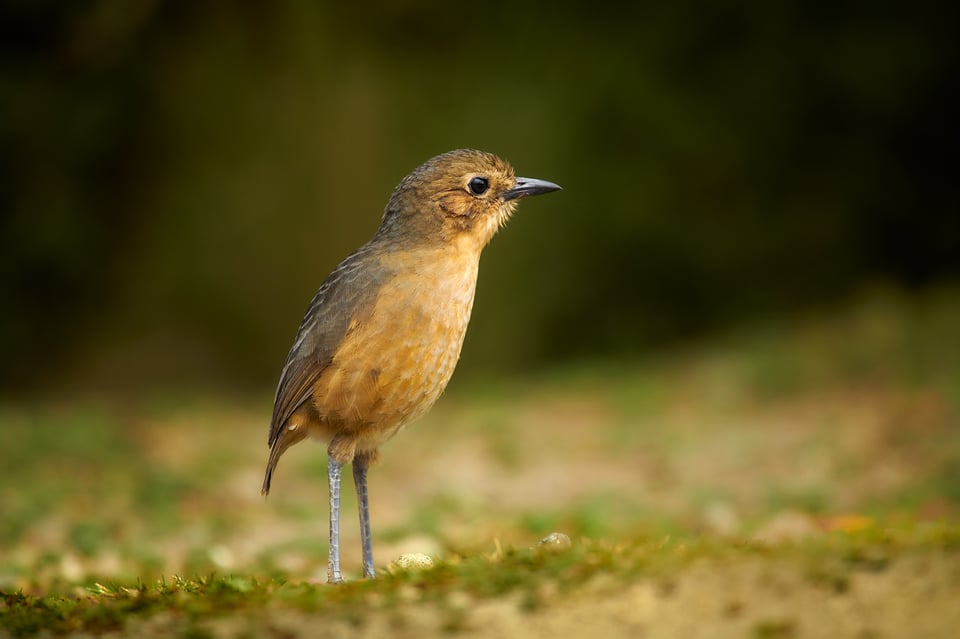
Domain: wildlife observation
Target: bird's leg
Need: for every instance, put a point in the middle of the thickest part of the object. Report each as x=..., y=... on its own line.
x=334, y=471
x=360, y=465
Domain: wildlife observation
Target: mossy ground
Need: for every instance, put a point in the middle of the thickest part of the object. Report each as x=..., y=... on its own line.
x=796, y=479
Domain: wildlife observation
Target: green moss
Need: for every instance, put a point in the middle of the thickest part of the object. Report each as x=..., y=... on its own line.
x=828, y=562
x=776, y=629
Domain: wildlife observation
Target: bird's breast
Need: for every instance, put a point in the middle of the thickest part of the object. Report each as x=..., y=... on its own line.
x=395, y=363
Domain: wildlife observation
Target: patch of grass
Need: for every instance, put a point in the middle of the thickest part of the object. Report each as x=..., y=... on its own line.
x=775, y=629
x=108, y=606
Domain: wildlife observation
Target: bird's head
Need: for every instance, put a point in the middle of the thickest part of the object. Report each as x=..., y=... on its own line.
x=462, y=196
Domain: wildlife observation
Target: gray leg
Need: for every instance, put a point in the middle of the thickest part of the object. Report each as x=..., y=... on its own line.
x=334, y=471
x=360, y=479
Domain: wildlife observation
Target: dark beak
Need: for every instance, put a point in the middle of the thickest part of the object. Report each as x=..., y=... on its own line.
x=529, y=186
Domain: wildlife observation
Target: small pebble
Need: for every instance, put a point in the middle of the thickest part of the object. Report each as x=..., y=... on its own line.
x=555, y=542
x=721, y=519
x=70, y=568
x=222, y=556
x=413, y=561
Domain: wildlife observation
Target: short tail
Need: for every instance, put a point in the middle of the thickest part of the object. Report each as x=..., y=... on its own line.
x=286, y=439
x=275, y=451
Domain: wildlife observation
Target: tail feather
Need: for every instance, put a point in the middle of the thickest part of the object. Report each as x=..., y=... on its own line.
x=285, y=440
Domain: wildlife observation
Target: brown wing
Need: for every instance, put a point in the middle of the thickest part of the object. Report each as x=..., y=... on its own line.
x=348, y=292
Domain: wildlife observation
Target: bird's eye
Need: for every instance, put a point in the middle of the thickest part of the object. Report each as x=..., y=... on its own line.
x=478, y=185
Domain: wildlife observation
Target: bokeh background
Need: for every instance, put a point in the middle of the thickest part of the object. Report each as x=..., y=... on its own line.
x=179, y=177
x=738, y=320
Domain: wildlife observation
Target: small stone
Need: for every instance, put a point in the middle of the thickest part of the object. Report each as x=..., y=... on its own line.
x=70, y=568
x=221, y=556
x=413, y=561
x=555, y=542
x=721, y=519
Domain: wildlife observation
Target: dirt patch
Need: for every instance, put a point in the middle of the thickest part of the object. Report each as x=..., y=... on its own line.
x=912, y=596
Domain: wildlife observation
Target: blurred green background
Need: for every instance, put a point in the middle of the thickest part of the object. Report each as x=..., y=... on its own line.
x=178, y=177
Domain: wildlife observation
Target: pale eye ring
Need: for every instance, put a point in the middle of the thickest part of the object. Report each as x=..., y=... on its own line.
x=478, y=185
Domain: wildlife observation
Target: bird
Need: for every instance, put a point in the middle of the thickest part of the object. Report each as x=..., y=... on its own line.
x=381, y=337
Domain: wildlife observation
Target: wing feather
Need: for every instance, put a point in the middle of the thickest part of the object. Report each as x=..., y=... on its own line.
x=348, y=293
